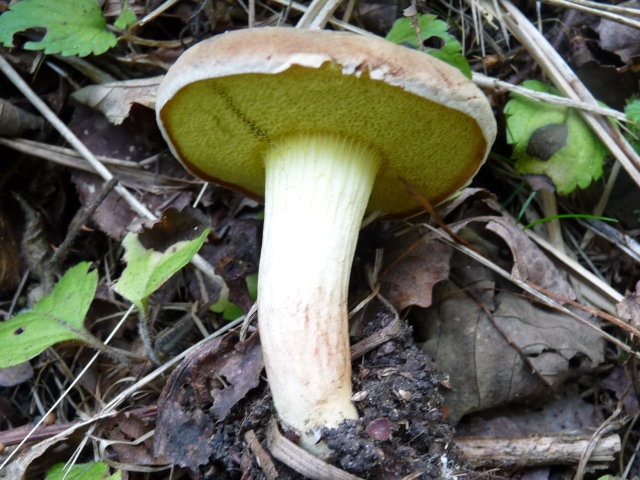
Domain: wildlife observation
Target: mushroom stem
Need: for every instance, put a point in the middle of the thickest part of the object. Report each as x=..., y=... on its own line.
x=317, y=189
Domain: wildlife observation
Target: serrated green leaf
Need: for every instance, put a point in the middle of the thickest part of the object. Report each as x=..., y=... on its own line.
x=74, y=27
x=576, y=164
x=404, y=32
x=148, y=269
x=82, y=471
x=57, y=317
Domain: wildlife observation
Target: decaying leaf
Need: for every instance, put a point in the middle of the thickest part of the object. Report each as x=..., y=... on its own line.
x=10, y=261
x=201, y=390
x=15, y=374
x=629, y=307
x=623, y=40
x=529, y=262
x=499, y=347
x=621, y=382
x=567, y=413
x=485, y=369
x=415, y=268
x=123, y=433
x=17, y=468
x=115, y=99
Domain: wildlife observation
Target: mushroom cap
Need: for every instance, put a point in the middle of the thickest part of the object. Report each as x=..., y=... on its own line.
x=229, y=98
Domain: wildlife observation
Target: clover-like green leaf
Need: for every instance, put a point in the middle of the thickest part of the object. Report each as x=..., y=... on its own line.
x=74, y=27
x=404, y=32
x=57, y=317
x=553, y=140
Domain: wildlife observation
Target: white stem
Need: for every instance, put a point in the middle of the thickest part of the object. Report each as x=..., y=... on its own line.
x=317, y=189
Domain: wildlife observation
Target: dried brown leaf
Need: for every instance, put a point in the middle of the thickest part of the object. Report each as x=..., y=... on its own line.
x=498, y=347
x=201, y=390
x=623, y=40
x=16, y=374
x=529, y=262
x=629, y=307
x=413, y=272
x=479, y=355
x=121, y=434
x=115, y=99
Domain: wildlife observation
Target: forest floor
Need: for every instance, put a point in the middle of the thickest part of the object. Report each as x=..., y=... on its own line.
x=495, y=336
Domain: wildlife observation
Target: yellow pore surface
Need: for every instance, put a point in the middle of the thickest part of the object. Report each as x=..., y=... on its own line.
x=221, y=127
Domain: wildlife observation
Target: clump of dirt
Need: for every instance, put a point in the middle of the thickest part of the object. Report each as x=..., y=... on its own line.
x=401, y=431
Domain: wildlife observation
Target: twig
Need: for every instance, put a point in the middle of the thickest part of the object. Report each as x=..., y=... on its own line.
x=109, y=410
x=99, y=168
x=588, y=452
x=262, y=457
x=153, y=14
x=298, y=7
x=544, y=299
x=80, y=219
x=318, y=14
x=568, y=83
x=598, y=210
x=578, y=271
x=300, y=460
x=488, y=82
x=615, y=17
x=69, y=388
x=392, y=330
x=71, y=138
x=535, y=450
x=631, y=11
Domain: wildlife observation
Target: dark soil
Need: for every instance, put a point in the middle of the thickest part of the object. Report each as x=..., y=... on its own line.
x=402, y=430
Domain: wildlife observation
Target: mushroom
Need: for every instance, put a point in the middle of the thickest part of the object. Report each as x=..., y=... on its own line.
x=320, y=125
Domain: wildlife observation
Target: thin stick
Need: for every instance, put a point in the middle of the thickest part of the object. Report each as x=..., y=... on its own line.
x=318, y=14
x=80, y=219
x=544, y=299
x=300, y=460
x=69, y=388
x=99, y=168
x=615, y=17
x=569, y=84
x=71, y=138
x=488, y=82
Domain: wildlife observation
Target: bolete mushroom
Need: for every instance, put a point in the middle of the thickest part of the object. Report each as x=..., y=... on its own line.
x=320, y=125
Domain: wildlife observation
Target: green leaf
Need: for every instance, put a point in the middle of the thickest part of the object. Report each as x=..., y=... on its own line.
x=57, y=317
x=552, y=140
x=74, y=27
x=126, y=16
x=148, y=269
x=82, y=471
x=403, y=31
x=252, y=285
x=633, y=112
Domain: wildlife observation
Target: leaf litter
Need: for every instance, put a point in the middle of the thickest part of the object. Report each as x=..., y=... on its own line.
x=505, y=349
